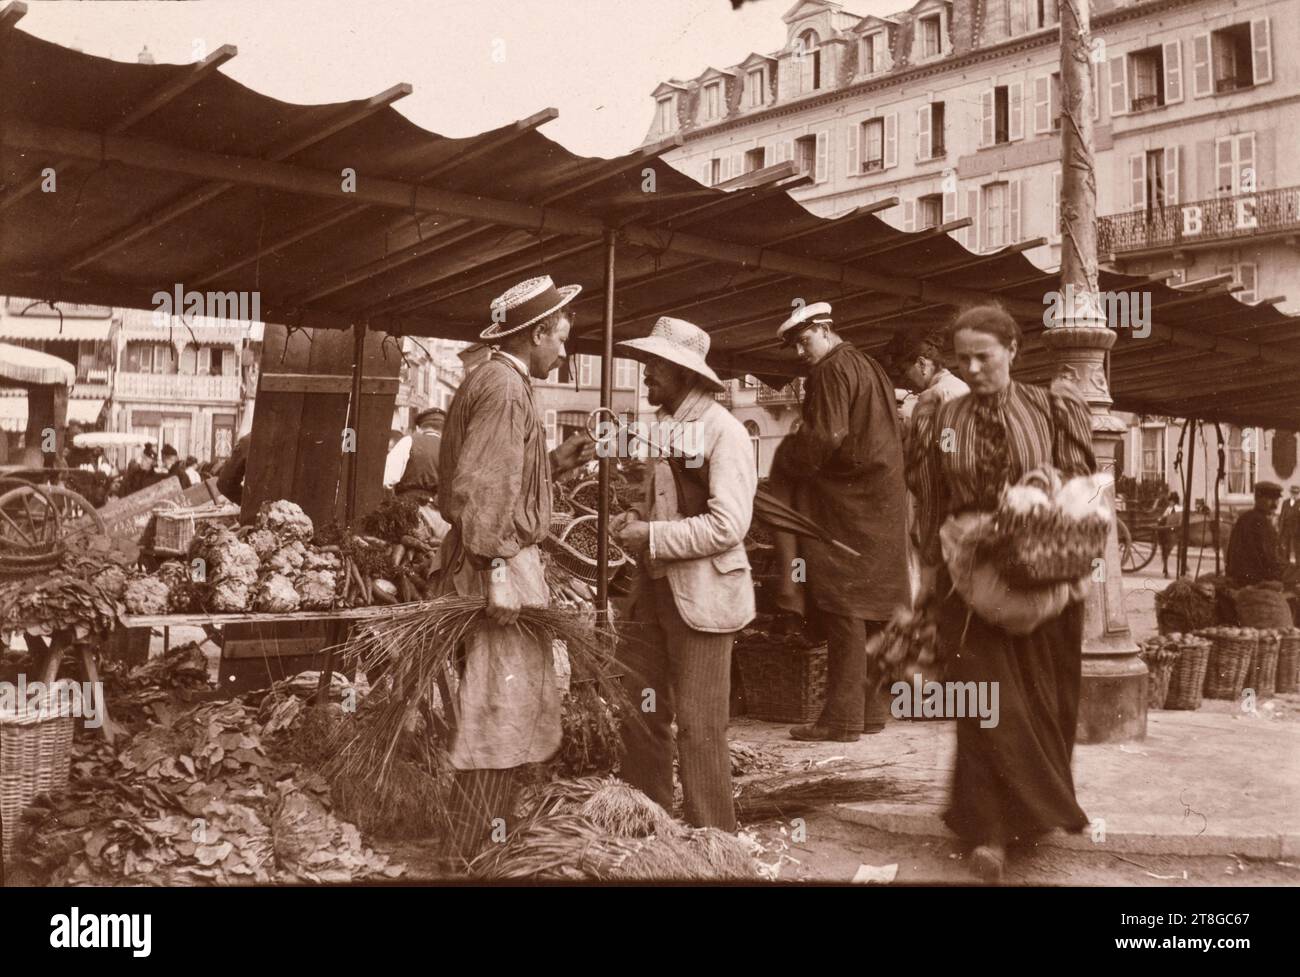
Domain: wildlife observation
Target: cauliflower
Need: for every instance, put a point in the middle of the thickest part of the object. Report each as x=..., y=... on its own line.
x=146, y=595
x=288, y=559
x=287, y=520
x=263, y=541
x=317, y=560
x=227, y=558
x=276, y=593
x=317, y=589
x=230, y=595
x=173, y=573
x=111, y=580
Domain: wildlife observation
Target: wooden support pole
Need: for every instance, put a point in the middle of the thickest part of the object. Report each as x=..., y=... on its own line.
x=606, y=401
x=354, y=417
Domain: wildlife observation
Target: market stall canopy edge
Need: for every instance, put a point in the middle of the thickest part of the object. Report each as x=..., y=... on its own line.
x=176, y=174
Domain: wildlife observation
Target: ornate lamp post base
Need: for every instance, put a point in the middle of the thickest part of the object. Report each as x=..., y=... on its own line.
x=1113, y=699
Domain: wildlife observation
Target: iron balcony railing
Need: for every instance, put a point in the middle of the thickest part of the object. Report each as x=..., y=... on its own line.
x=792, y=393
x=1217, y=219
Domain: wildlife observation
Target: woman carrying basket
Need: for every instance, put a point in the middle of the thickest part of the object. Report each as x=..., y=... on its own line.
x=1012, y=780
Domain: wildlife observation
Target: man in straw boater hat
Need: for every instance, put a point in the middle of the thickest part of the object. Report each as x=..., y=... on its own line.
x=495, y=491
x=693, y=591
x=843, y=468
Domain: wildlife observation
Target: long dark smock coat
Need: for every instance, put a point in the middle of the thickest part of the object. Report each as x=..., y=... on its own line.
x=1012, y=780
x=844, y=469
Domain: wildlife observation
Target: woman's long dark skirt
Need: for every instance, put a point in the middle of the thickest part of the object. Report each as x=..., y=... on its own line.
x=1012, y=781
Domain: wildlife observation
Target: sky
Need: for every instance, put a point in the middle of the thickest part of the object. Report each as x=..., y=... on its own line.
x=474, y=64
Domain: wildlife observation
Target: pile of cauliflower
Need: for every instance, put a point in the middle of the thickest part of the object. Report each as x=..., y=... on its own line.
x=295, y=575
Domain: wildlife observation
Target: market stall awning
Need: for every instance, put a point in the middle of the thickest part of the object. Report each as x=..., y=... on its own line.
x=202, y=181
x=50, y=328
x=13, y=411
x=18, y=364
x=85, y=410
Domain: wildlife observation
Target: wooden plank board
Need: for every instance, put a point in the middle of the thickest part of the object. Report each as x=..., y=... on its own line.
x=317, y=471
x=275, y=639
x=251, y=617
x=129, y=516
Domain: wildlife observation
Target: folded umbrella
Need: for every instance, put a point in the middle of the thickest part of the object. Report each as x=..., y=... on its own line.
x=778, y=515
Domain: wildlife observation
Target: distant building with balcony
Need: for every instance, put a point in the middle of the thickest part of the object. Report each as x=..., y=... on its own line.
x=431, y=371
x=767, y=413
x=955, y=108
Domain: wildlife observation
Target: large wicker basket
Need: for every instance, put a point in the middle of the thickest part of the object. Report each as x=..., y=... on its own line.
x=1263, y=670
x=1038, y=549
x=1288, y=661
x=35, y=754
x=783, y=682
x=1188, y=677
x=1160, y=671
x=174, y=528
x=575, y=562
x=1231, y=652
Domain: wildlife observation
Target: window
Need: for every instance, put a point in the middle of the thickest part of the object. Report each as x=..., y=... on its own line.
x=1001, y=114
x=753, y=160
x=806, y=153
x=929, y=211
x=587, y=374
x=751, y=428
x=1153, y=452
x=929, y=131
x=666, y=114
x=1232, y=58
x=931, y=36
x=712, y=100
x=715, y=172
x=150, y=358
x=1044, y=13
x=873, y=53
x=1241, y=464
x=552, y=429
x=873, y=145
x=995, y=215
x=1047, y=103
x=1245, y=275
x=1234, y=159
x=1147, y=70
x=756, y=87
x=808, y=56
x=625, y=374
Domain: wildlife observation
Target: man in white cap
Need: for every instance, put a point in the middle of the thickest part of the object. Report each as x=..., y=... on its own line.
x=494, y=489
x=844, y=470
x=694, y=591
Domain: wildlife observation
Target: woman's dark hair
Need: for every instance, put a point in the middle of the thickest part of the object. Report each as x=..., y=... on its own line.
x=990, y=318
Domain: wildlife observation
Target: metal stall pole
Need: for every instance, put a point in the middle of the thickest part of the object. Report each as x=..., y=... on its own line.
x=606, y=401
x=1187, y=497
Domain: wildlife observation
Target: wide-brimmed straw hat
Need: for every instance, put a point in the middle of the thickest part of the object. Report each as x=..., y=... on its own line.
x=806, y=315
x=676, y=341
x=525, y=304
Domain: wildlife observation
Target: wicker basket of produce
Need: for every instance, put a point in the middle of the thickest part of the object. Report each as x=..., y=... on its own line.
x=575, y=550
x=35, y=753
x=1160, y=654
x=585, y=497
x=1288, y=660
x=1231, y=652
x=1185, y=606
x=175, y=528
x=1263, y=669
x=1187, y=679
x=1046, y=532
x=784, y=677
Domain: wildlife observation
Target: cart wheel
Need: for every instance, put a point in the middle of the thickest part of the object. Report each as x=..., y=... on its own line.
x=29, y=528
x=77, y=517
x=1134, y=553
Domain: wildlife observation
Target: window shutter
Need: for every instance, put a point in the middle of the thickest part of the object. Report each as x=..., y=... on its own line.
x=851, y=164
x=1096, y=90
x=726, y=168
x=1264, y=160
x=1173, y=57
x=1261, y=51
x=1016, y=110
x=891, y=140
x=1013, y=212
x=1018, y=18
x=986, y=118
x=909, y=215
x=1202, y=80
x=1246, y=275
x=789, y=149
x=1054, y=234
x=1223, y=175
x=1205, y=169
x=552, y=433
x=1118, y=86
x=822, y=168
x=950, y=206
x=1245, y=160
x=1042, y=103
x=923, y=132
x=973, y=212
x=1137, y=197
x=707, y=177
x=1173, y=165
x=767, y=156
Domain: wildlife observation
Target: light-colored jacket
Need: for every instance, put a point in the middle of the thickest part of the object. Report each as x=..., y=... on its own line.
x=704, y=556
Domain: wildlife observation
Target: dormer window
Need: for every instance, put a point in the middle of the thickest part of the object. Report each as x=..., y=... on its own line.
x=756, y=88
x=712, y=101
x=665, y=114
x=931, y=36
x=873, y=53
x=808, y=55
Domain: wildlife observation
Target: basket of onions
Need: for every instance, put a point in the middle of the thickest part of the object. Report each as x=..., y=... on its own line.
x=1047, y=531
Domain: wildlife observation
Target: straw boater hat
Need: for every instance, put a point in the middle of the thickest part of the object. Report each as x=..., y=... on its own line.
x=676, y=341
x=525, y=304
x=819, y=313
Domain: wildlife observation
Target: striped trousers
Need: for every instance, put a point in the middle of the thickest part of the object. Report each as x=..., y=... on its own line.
x=689, y=674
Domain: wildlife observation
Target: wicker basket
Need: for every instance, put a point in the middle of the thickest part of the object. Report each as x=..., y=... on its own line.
x=1035, y=550
x=1230, y=661
x=35, y=754
x=1188, y=676
x=1160, y=669
x=579, y=507
x=1263, y=670
x=783, y=683
x=174, y=528
x=579, y=564
x=1288, y=661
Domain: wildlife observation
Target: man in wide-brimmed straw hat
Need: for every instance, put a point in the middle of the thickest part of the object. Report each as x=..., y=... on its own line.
x=844, y=470
x=694, y=590
x=495, y=491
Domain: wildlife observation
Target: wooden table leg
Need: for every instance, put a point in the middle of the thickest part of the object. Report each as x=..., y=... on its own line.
x=92, y=676
x=334, y=630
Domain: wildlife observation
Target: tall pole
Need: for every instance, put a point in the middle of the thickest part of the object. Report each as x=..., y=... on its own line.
x=606, y=400
x=354, y=418
x=1112, y=701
